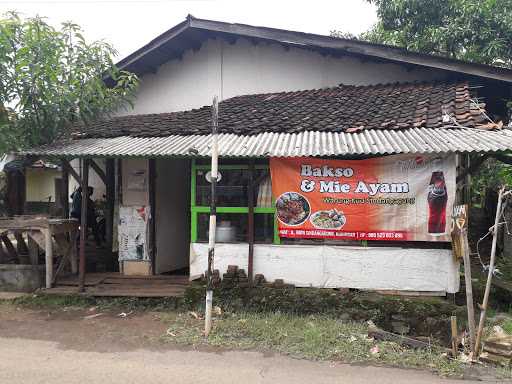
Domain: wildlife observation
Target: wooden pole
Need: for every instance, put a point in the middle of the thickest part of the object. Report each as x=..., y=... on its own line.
x=152, y=218
x=109, y=214
x=83, y=224
x=485, y=301
x=460, y=247
x=213, y=220
x=250, y=223
x=48, y=249
x=469, y=293
x=453, y=327
x=65, y=192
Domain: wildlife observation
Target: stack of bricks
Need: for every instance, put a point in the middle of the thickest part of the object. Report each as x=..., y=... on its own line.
x=259, y=279
x=235, y=276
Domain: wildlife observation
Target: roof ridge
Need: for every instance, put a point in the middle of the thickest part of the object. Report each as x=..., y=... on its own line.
x=184, y=35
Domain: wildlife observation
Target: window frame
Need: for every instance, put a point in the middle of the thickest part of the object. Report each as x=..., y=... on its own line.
x=196, y=209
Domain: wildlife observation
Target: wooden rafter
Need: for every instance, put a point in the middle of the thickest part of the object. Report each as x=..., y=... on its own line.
x=67, y=166
x=98, y=171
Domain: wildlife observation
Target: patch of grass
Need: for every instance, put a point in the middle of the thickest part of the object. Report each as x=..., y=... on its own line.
x=319, y=337
x=55, y=302
x=507, y=326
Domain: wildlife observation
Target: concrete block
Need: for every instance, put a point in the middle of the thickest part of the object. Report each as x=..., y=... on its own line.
x=21, y=277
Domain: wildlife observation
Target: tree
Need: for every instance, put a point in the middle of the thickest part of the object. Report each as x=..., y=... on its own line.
x=478, y=31
x=50, y=79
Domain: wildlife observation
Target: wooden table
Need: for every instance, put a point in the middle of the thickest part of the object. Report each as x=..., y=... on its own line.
x=42, y=231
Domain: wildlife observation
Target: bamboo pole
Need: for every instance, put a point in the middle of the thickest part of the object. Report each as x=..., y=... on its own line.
x=213, y=220
x=485, y=301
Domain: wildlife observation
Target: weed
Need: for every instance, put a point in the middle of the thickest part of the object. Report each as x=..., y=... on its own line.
x=316, y=337
x=507, y=326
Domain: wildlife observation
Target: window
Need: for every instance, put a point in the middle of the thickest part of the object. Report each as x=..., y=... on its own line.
x=233, y=203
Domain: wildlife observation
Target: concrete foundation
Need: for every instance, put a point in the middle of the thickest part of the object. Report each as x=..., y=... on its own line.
x=21, y=277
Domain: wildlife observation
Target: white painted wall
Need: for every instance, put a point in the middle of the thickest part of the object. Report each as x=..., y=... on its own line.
x=227, y=70
x=132, y=194
x=172, y=207
x=322, y=266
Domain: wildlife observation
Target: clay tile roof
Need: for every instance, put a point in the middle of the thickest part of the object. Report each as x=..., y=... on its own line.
x=340, y=109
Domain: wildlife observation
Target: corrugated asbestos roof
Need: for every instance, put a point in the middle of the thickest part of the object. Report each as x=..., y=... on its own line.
x=311, y=143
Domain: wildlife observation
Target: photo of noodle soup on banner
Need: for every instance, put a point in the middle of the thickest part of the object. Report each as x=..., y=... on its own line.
x=399, y=197
x=332, y=219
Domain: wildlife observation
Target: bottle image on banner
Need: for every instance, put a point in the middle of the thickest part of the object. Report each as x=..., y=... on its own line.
x=437, y=199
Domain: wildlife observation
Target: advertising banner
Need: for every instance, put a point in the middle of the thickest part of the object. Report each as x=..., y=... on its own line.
x=399, y=197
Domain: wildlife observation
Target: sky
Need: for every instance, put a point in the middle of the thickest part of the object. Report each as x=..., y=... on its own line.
x=130, y=24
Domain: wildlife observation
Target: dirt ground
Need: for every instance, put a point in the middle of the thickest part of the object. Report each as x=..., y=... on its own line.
x=78, y=345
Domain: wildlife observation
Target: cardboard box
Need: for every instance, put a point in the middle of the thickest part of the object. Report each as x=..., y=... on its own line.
x=136, y=268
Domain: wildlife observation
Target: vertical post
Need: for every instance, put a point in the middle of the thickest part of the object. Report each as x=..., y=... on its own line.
x=213, y=220
x=119, y=200
x=453, y=327
x=460, y=248
x=33, y=250
x=65, y=192
x=73, y=255
x=152, y=218
x=83, y=224
x=48, y=249
x=109, y=214
x=193, y=213
x=469, y=291
x=250, y=222
x=485, y=301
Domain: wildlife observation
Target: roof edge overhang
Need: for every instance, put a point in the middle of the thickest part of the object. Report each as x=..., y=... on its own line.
x=306, y=144
x=308, y=40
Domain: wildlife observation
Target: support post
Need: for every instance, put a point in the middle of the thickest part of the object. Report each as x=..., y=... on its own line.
x=74, y=254
x=469, y=294
x=83, y=224
x=65, y=192
x=213, y=221
x=250, y=223
x=460, y=247
x=152, y=208
x=48, y=249
x=33, y=251
x=485, y=301
x=109, y=214
x=453, y=328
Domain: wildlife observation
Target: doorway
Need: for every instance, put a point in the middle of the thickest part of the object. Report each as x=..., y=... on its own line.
x=172, y=217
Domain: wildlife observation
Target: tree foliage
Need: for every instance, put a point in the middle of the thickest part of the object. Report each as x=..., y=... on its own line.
x=479, y=31
x=51, y=78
